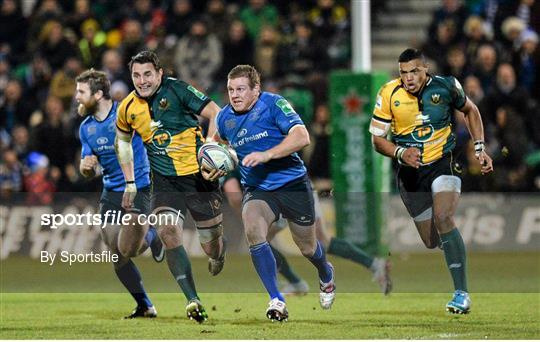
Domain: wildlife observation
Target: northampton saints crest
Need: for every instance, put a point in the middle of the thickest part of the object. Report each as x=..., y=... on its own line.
x=163, y=104
x=435, y=98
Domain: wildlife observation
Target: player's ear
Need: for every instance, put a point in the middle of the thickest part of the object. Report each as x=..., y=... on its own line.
x=98, y=95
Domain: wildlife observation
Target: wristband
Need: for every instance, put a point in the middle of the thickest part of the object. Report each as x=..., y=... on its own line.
x=479, y=147
x=130, y=182
x=398, y=153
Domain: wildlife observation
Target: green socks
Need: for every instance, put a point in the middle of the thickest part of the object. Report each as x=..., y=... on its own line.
x=180, y=267
x=347, y=250
x=454, y=252
x=283, y=267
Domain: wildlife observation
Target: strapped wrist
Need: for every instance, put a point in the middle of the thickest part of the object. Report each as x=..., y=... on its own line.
x=479, y=147
x=398, y=153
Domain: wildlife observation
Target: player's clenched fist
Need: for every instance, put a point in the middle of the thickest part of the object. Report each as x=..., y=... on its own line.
x=88, y=163
x=411, y=157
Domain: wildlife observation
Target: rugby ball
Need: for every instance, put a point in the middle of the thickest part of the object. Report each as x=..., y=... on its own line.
x=215, y=156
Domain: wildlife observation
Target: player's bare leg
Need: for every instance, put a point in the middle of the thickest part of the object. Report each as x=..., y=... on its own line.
x=128, y=274
x=304, y=237
x=212, y=242
x=131, y=238
x=445, y=200
x=257, y=218
x=178, y=262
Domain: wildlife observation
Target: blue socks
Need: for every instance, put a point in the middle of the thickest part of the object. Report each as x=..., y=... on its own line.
x=151, y=234
x=265, y=265
x=131, y=278
x=319, y=261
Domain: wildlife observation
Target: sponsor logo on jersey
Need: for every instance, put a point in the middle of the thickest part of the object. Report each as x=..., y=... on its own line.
x=285, y=107
x=396, y=103
x=197, y=93
x=102, y=140
x=423, y=134
x=422, y=119
x=230, y=124
x=242, y=132
x=161, y=138
x=91, y=130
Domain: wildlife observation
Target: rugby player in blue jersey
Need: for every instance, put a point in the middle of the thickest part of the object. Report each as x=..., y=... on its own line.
x=266, y=133
x=97, y=134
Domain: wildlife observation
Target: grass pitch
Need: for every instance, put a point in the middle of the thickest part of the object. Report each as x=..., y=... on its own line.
x=505, y=294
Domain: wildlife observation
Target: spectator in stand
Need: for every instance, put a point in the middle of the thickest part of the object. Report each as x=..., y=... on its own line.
x=53, y=46
x=92, y=44
x=35, y=77
x=456, y=64
x=485, y=67
x=50, y=137
x=47, y=10
x=13, y=30
x=266, y=51
x=40, y=181
x=132, y=40
x=219, y=21
x=507, y=93
x=512, y=28
x=328, y=18
x=475, y=36
x=453, y=11
x=526, y=62
x=303, y=55
x=10, y=174
x=63, y=82
x=257, y=15
x=528, y=11
x=5, y=75
x=437, y=50
x=141, y=11
x=81, y=13
x=20, y=141
x=238, y=48
x=15, y=109
x=509, y=135
x=319, y=161
x=179, y=18
x=112, y=65
x=198, y=56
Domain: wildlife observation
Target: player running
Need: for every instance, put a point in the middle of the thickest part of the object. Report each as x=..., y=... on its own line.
x=379, y=267
x=266, y=133
x=163, y=111
x=97, y=133
x=418, y=108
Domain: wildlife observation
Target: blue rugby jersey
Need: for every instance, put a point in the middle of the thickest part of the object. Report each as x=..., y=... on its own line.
x=261, y=128
x=97, y=138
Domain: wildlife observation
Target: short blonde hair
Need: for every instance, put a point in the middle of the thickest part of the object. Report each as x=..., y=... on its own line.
x=247, y=71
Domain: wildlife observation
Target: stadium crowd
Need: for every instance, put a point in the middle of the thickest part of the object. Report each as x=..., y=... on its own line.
x=489, y=45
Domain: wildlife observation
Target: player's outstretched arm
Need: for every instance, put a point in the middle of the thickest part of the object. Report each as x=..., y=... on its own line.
x=296, y=139
x=124, y=153
x=473, y=120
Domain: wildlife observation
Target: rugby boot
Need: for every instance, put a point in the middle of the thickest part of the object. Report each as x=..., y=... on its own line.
x=328, y=292
x=144, y=312
x=460, y=303
x=381, y=274
x=195, y=311
x=277, y=311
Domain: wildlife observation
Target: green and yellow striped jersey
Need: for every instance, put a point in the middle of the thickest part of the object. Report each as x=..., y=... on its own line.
x=421, y=120
x=168, y=126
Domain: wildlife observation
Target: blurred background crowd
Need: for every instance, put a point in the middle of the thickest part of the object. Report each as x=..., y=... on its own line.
x=491, y=46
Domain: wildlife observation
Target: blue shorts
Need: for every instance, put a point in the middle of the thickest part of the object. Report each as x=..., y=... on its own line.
x=294, y=201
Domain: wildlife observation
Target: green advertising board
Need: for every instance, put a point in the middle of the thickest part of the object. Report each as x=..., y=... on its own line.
x=361, y=176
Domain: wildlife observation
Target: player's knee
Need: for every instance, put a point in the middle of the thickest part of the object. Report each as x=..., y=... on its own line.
x=210, y=234
x=307, y=250
x=170, y=235
x=443, y=220
x=128, y=251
